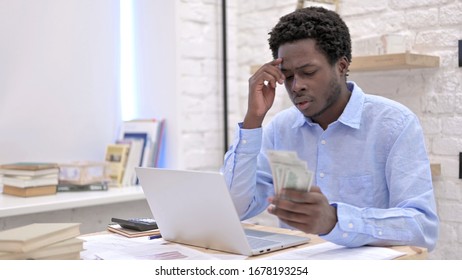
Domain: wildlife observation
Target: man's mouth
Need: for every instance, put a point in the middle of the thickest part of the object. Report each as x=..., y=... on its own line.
x=303, y=105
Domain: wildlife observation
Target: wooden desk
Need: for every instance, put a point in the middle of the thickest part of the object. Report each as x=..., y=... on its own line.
x=411, y=253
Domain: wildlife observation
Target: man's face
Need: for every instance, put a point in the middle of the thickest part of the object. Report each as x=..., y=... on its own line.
x=312, y=83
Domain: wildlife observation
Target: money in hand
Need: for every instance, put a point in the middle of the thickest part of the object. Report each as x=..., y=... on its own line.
x=289, y=172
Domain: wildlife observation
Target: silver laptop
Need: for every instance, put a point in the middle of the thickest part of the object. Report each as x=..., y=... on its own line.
x=195, y=208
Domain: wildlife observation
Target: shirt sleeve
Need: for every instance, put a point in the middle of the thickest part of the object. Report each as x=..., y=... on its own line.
x=240, y=169
x=411, y=217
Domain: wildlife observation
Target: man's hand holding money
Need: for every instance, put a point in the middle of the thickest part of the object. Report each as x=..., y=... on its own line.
x=297, y=203
x=289, y=172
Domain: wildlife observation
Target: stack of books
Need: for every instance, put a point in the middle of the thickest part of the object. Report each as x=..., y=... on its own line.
x=41, y=241
x=29, y=178
x=116, y=228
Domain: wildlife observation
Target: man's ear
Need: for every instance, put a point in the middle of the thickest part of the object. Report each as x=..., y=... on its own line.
x=343, y=65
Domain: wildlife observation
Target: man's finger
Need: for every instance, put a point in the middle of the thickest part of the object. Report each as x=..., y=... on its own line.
x=276, y=62
x=315, y=189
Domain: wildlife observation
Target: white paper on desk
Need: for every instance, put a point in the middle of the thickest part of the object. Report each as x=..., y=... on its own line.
x=117, y=247
x=104, y=242
x=331, y=251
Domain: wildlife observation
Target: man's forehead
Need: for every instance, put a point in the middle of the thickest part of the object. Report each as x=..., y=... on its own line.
x=299, y=54
x=298, y=65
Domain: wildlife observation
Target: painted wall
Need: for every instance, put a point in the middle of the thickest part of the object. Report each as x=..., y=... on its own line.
x=58, y=79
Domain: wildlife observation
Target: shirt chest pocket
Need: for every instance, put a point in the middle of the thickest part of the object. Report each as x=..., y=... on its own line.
x=356, y=190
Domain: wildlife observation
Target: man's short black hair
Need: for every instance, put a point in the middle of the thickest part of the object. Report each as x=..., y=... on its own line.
x=324, y=26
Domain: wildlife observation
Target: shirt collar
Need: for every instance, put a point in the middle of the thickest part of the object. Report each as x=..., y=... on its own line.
x=351, y=115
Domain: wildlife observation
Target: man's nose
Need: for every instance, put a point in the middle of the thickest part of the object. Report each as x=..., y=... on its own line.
x=296, y=85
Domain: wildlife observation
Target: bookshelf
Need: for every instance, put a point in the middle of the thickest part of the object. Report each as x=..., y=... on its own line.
x=94, y=209
x=16, y=206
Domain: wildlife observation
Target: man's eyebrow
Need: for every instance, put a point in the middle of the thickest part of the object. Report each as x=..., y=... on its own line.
x=298, y=68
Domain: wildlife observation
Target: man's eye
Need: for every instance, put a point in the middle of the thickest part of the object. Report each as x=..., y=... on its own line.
x=308, y=73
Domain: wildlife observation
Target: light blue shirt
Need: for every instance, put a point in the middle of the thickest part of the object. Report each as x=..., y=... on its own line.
x=371, y=164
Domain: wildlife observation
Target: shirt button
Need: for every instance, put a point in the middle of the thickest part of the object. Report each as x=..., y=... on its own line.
x=321, y=175
x=323, y=142
x=244, y=141
x=350, y=225
x=380, y=232
x=345, y=235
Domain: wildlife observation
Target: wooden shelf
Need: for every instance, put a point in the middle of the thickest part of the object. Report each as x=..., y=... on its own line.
x=386, y=62
x=14, y=205
x=435, y=169
x=393, y=61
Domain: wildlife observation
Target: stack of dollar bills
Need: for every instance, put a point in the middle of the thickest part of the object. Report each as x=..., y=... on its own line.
x=289, y=171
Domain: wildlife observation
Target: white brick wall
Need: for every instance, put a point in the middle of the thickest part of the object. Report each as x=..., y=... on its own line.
x=200, y=84
x=435, y=95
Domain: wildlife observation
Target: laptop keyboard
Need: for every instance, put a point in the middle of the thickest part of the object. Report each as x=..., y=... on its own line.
x=256, y=233
x=255, y=242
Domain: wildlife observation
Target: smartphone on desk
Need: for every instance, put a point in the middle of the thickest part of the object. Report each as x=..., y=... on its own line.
x=140, y=224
